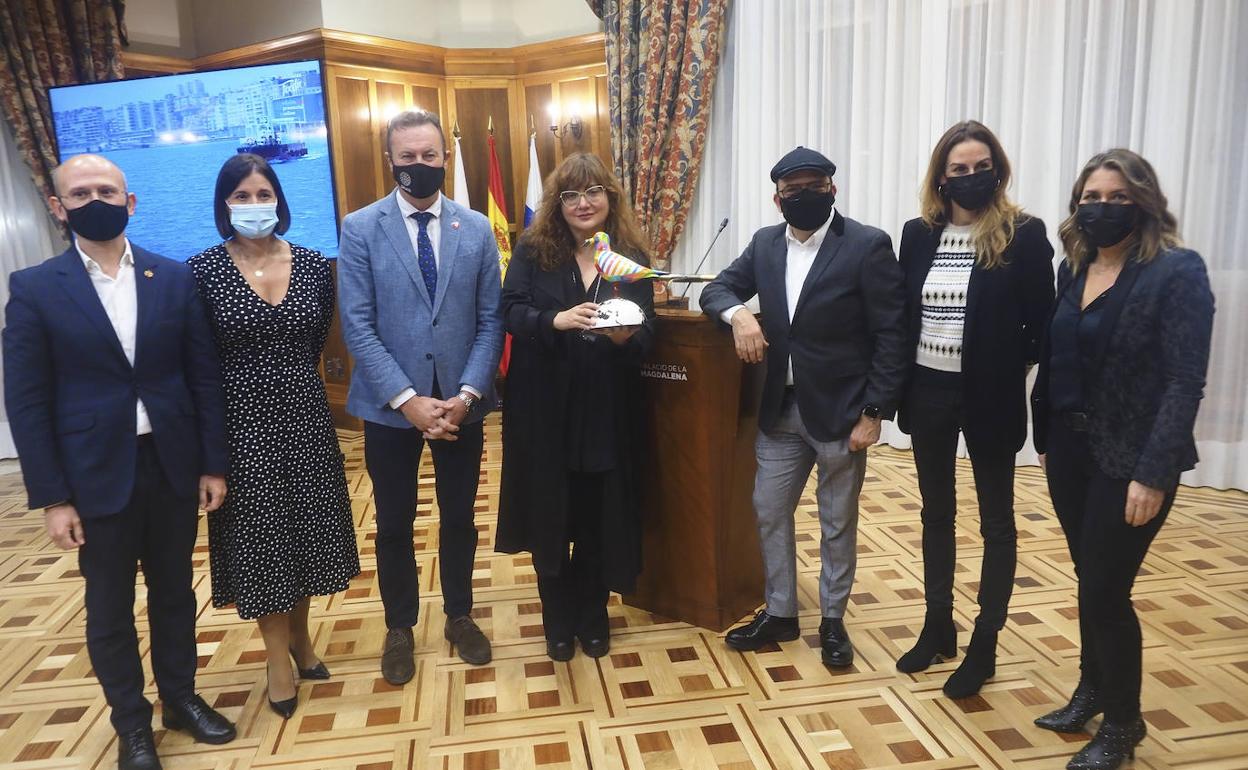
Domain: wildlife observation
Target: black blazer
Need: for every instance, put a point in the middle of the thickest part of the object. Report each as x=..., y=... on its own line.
x=1149, y=373
x=71, y=394
x=533, y=512
x=1006, y=312
x=848, y=329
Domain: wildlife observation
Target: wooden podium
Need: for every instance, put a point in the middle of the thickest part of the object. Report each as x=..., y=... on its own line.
x=701, y=562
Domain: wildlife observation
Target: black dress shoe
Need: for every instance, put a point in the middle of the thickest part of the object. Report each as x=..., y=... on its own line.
x=560, y=651
x=1111, y=747
x=136, y=750
x=937, y=642
x=596, y=648
x=316, y=672
x=1084, y=704
x=199, y=719
x=762, y=630
x=834, y=639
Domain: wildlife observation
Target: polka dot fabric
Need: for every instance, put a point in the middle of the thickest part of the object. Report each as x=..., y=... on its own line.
x=285, y=531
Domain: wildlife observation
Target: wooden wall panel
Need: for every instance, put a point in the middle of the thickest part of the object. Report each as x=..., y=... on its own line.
x=430, y=98
x=474, y=107
x=355, y=157
x=391, y=99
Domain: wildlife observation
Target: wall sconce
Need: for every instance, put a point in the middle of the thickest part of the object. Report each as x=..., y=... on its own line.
x=573, y=125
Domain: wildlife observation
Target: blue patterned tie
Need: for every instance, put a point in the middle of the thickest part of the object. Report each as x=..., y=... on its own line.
x=424, y=253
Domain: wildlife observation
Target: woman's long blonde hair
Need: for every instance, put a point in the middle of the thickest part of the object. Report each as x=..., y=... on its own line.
x=994, y=229
x=549, y=235
x=1155, y=227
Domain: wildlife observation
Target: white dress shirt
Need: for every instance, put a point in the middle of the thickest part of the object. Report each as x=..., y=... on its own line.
x=800, y=257
x=434, y=230
x=120, y=299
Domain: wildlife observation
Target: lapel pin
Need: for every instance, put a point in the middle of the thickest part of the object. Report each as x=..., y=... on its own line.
x=148, y=274
x=455, y=224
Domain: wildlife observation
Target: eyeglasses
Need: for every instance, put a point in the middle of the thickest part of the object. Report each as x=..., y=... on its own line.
x=789, y=191
x=594, y=195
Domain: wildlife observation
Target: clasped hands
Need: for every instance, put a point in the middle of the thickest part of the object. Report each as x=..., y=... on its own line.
x=434, y=418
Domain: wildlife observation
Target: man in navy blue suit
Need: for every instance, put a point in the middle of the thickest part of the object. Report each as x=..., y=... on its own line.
x=114, y=396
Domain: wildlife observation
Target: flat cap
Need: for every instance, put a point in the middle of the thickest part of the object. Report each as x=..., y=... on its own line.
x=801, y=159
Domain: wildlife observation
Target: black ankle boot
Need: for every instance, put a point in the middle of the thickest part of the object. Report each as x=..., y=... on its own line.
x=1084, y=704
x=977, y=667
x=937, y=642
x=1111, y=747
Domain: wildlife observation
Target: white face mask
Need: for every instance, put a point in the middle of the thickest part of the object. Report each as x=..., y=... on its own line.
x=254, y=220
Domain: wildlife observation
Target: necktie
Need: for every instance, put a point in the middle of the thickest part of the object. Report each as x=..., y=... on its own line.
x=424, y=253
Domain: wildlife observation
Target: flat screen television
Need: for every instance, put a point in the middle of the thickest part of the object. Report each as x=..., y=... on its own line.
x=171, y=133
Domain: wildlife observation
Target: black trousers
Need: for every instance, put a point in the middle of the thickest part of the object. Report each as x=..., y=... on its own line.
x=156, y=529
x=574, y=601
x=937, y=416
x=392, y=456
x=1107, y=553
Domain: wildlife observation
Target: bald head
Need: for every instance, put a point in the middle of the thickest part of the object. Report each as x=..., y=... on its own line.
x=87, y=167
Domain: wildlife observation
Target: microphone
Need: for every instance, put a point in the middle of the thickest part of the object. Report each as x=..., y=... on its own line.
x=702, y=262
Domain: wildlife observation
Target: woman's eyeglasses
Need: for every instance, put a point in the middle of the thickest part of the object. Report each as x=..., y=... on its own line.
x=594, y=195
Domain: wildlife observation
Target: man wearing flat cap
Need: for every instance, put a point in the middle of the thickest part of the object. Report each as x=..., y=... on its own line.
x=831, y=334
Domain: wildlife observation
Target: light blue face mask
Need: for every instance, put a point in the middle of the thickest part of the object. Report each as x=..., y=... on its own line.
x=254, y=220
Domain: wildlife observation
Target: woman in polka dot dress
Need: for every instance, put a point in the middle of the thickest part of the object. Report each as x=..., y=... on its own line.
x=285, y=532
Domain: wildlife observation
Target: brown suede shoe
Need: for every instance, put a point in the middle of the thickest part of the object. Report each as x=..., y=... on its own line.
x=398, y=665
x=469, y=642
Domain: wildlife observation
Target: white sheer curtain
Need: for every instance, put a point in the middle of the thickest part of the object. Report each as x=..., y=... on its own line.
x=26, y=238
x=873, y=84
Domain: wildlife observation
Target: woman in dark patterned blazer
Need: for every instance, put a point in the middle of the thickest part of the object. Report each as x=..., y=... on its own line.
x=1121, y=375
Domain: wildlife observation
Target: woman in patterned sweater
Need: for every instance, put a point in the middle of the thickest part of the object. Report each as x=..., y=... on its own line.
x=979, y=285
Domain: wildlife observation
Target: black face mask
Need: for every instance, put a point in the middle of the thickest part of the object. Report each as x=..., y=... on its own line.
x=419, y=180
x=1105, y=224
x=807, y=210
x=973, y=191
x=98, y=220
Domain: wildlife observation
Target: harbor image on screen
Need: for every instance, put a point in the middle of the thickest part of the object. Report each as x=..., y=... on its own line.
x=171, y=134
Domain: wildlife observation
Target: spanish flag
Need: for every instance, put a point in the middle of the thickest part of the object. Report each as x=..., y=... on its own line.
x=498, y=222
x=498, y=211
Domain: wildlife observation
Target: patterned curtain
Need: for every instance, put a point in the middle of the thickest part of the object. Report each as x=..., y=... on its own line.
x=52, y=43
x=662, y=56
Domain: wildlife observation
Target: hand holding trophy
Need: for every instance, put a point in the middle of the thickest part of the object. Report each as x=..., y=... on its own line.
x=618, y=313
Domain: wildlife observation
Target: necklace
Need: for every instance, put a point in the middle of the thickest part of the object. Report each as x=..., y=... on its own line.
x=257, y=270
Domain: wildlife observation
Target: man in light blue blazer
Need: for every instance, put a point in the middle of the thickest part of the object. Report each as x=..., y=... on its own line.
x=419, y=286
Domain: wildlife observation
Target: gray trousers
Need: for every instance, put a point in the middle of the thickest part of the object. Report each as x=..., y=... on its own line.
x=786, y=455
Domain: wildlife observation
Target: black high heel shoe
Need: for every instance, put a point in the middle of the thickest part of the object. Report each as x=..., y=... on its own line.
x=316, y=672
x=1084, y=704
x=937, y=642
x=1111, y=747
x=283, y=708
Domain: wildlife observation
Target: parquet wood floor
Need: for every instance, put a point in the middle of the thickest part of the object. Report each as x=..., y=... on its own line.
x=668, y=696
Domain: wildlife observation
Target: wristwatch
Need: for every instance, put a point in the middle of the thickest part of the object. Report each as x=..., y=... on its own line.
x=871, y=412
x=467, y=398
